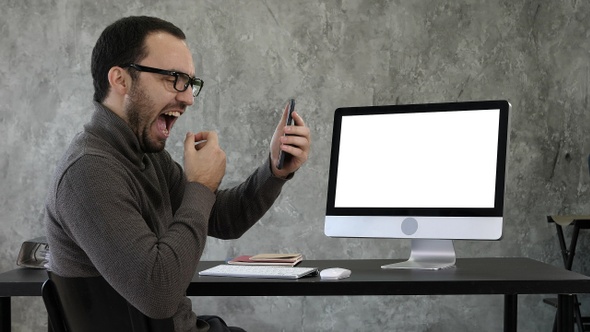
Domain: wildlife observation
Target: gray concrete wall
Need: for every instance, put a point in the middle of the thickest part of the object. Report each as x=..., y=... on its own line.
x=253, y=55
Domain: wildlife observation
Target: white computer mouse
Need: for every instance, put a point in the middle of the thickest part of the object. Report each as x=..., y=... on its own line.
x=334, y=273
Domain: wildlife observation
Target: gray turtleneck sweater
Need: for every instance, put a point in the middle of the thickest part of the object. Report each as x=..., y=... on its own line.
x=132, y=217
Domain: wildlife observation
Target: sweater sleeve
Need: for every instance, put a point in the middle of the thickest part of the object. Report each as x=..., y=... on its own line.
x=100, y=208
x=238, y=208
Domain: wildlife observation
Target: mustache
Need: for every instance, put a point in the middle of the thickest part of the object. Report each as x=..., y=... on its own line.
x=176, y=105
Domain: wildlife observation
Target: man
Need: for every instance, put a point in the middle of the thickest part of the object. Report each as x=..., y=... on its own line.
x=121, y=208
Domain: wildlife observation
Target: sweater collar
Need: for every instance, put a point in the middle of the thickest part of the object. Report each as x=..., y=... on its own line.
x=116, y=132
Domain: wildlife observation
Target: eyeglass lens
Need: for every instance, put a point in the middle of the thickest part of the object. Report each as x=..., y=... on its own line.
x=183, y=81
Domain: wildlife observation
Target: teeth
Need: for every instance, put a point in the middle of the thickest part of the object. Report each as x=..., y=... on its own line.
x=174, y=114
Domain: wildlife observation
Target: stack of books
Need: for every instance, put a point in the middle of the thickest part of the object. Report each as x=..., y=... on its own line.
x=267, y=259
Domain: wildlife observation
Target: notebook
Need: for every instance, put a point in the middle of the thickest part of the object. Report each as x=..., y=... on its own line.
x=267, y=259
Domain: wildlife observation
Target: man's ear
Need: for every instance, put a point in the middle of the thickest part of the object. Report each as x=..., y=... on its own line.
x=119, y=80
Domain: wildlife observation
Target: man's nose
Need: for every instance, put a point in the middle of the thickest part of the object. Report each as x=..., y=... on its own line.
x=186, y=96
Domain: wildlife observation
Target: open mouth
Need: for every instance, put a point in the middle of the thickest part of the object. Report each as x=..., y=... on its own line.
x=166, y=121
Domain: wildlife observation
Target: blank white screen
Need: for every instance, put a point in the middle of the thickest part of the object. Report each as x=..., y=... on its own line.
x=418, y=160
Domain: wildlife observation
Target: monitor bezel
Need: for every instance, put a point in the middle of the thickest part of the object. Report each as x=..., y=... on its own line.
x=496, y=211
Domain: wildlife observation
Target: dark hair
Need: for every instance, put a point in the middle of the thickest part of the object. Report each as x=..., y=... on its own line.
x=124, y=42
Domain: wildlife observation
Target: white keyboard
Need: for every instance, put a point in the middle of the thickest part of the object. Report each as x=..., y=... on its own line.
x=259, y=271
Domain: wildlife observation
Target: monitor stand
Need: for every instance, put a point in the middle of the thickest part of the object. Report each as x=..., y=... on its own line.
x=428, y=255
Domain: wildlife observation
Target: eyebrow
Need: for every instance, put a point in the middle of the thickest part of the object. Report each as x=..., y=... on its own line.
x=182, y=72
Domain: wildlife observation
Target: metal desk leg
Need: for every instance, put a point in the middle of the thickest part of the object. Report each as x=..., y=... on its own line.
x=5, y=319
x=568, y=253
x=510, y=312
x=568, y=261
x=565, y=307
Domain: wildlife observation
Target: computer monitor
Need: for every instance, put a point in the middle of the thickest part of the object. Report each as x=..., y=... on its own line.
x=432, y=173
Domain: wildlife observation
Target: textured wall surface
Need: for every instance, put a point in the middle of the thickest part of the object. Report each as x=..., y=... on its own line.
x=253, y=56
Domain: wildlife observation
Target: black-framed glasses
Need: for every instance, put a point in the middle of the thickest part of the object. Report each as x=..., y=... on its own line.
x=181, y=80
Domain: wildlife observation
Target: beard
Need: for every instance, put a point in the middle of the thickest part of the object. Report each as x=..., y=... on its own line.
x=139, y=109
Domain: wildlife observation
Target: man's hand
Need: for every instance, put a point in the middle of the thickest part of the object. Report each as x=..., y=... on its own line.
x=204, y=162
x=294, y=140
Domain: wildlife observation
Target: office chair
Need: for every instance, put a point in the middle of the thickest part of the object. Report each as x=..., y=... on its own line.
x=91, y=304
x=51, y=300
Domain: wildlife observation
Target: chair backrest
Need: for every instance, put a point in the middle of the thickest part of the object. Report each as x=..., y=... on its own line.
x=54, y=310
x=91, y=304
